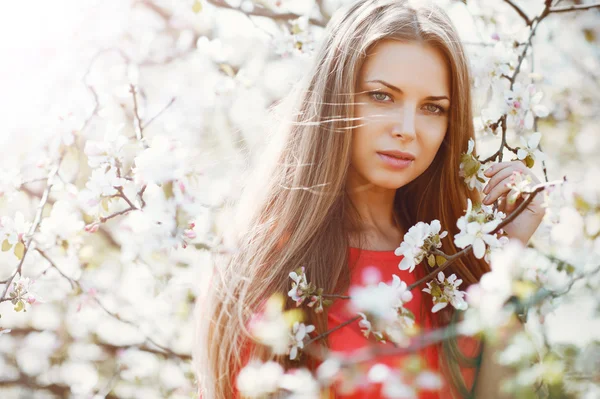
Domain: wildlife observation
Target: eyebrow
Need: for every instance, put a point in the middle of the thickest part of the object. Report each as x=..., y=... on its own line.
x=391, y=86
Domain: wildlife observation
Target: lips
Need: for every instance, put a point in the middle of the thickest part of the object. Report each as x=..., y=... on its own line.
x=398, y=154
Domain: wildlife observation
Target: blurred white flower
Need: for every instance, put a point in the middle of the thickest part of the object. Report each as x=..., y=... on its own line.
x=523, y=104
x=444, y=291
x=102, y=182
x=257, y=379
x=382, y=301
x=366, y=328
x=64, y=223
x=165, y=160
x=392, y=383
x=300, y=384
x=418, y=241
x=15, y=229
x=271, y=327
x=429, y=381
x=107, y=151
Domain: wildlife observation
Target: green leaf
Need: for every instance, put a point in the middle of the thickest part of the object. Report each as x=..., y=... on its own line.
x=19, y=250
x=440, y=260
x=436, y=291
x=168, y=190
x=105, y=202
x=431, y=260
x=20, y=305
x=6, y=245
x=529, y=161
x=197, y=7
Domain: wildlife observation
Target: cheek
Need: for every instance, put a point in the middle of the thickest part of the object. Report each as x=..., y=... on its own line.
x=432, y=135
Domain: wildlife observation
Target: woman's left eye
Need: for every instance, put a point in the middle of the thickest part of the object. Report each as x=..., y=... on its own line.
x=379, y=96
x=434, y=109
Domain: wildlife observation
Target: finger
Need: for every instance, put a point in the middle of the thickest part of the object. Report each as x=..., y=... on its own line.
x=509, y=207
x=495, y=168
x=497, y=191
x=498, y=177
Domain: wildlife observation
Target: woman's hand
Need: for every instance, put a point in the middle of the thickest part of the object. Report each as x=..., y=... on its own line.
x=500, y=174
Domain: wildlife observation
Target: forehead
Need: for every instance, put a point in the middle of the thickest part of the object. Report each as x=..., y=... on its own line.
x=409, y=66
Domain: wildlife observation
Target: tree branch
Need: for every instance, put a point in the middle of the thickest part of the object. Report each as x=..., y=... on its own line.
x=166, y=350
x=579, y=7
x=265, y=12
x=451, y=259
x=139, y=130
x=519, y=11
x=36, y=222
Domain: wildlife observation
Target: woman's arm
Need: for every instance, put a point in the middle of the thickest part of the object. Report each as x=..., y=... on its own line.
x=491, y=374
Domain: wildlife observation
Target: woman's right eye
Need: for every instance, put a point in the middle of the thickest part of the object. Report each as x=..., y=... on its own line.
x=379, y=96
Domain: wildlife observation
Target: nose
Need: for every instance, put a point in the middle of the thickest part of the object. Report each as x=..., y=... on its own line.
x=404, y=126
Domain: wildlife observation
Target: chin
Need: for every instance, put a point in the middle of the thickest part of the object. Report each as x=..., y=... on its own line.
x=391, y=182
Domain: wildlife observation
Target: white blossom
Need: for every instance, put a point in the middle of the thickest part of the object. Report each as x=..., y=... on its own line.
x=367, y=329
x=523, y=104
x=530, y=148
x=418, y=241
x=383, y=300
x=300, y=288
x=471, y=169
x=109, y=151
x=475, y=229
x=445, y=291
x=298, y=334
x=14, y=229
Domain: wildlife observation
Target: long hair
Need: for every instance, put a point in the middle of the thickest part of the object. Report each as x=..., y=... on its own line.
x=301, y=215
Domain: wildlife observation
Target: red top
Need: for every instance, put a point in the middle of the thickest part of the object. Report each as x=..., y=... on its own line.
x=350, y=337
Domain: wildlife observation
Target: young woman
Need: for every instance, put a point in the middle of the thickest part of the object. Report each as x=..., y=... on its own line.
x=373, y=148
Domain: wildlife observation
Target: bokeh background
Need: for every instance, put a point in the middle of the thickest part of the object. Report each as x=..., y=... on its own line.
x=199, y=81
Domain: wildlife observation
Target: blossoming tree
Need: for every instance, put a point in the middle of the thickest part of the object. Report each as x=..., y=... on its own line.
x=112, y=192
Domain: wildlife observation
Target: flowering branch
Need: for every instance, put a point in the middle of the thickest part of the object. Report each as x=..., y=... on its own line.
x=36, y=222
x=139, y=130
x=452, y=258
x=75, y=283
x=265, y=12
x=579, y=7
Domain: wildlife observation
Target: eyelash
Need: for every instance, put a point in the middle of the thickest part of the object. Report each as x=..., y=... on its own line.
x=440, y=110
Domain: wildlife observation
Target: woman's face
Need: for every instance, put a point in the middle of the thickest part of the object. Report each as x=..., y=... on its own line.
x=402, y=102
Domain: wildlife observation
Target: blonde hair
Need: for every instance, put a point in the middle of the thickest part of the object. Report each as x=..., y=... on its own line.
x=303, y=216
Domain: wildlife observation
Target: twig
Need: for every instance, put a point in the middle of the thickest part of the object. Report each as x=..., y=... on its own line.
x=36, y=222
x=452, y=258
x=159, y=113
x=579, y=7
x=139, y=130
x=103, y=219
x=265, y=12
x=105, y=309
x=336, y=296
x=326, y=333
x=519, y=11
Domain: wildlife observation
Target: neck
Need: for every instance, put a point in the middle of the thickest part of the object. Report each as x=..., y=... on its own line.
x=375, y=206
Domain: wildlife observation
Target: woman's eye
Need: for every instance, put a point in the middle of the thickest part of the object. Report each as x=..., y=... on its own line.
x=434, y=109
x=379, y=96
